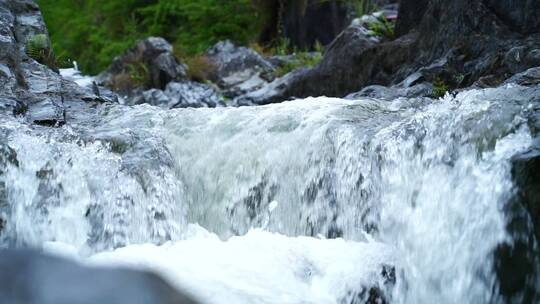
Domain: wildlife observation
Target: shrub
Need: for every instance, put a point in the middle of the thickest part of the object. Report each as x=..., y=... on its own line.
x=199, y=67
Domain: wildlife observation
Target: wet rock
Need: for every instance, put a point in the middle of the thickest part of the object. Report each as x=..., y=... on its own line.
x=526, y=173
x=527, y=78
x=31, y=277
x=390, y=93
x=149, y=64
x=47, y=112
x=193, y=94
x=274, y=92
x=237, y=70
x=516, y=262
x=181, y=95
x=12, y=106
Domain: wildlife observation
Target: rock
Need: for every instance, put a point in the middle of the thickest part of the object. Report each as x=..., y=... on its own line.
x=186, y=94
x=424, y=89
x=351, y=62
x=527, y=78
x=193, y=94
x=153, y=97
x=274, y=92
x=30, y=277
x=456, y=43
x=521, y=16
x=305, y=23
x=517, y=262
x=11, y=106
x=526, y=173
x=149, y=64
x=237, y=70
x=48, y=112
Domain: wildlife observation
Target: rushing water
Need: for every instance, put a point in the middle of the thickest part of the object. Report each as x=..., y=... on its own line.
x=308, y=201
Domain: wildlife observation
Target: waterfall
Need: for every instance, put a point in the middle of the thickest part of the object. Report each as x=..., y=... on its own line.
x=308, y=201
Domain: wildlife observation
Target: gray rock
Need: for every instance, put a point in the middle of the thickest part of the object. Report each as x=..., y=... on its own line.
x=151, y=56
x=424, y=89
x=11, y=106
x=193, y=94
x=28, y=277
x=49, y=112
x=153, y=97
x=186, y=94
x=238, y=70
x=527, y=78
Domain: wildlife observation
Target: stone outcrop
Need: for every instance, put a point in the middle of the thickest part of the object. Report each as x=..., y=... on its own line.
x=31, y=89
x=457, y=43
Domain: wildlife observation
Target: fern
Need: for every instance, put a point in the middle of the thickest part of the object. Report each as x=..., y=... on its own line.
x=38, y=47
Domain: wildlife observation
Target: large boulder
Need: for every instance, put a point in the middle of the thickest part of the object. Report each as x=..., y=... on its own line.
x=149, y=64
x=456, y=43
x=28, y=277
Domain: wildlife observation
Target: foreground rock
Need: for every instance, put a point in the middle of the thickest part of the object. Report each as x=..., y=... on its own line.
x=28, y=277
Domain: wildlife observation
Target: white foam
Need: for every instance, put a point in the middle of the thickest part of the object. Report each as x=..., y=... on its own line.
x=259, y=267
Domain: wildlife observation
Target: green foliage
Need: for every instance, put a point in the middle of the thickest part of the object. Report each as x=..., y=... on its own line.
x=93, y=32
x=439, y=88
x=38, y=47
x=301, y=59
x=384, y=28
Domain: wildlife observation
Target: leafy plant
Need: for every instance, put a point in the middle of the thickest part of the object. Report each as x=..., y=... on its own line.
x=301, y=59
x=383, y=27
x=38, y=47
x=439, y=88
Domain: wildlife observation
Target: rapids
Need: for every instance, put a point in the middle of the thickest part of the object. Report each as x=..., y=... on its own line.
x=320, y=200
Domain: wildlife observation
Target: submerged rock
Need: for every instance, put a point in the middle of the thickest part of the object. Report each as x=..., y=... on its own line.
x=30, y=277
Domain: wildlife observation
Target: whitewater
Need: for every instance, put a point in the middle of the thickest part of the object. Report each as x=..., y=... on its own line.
x=318, y=200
